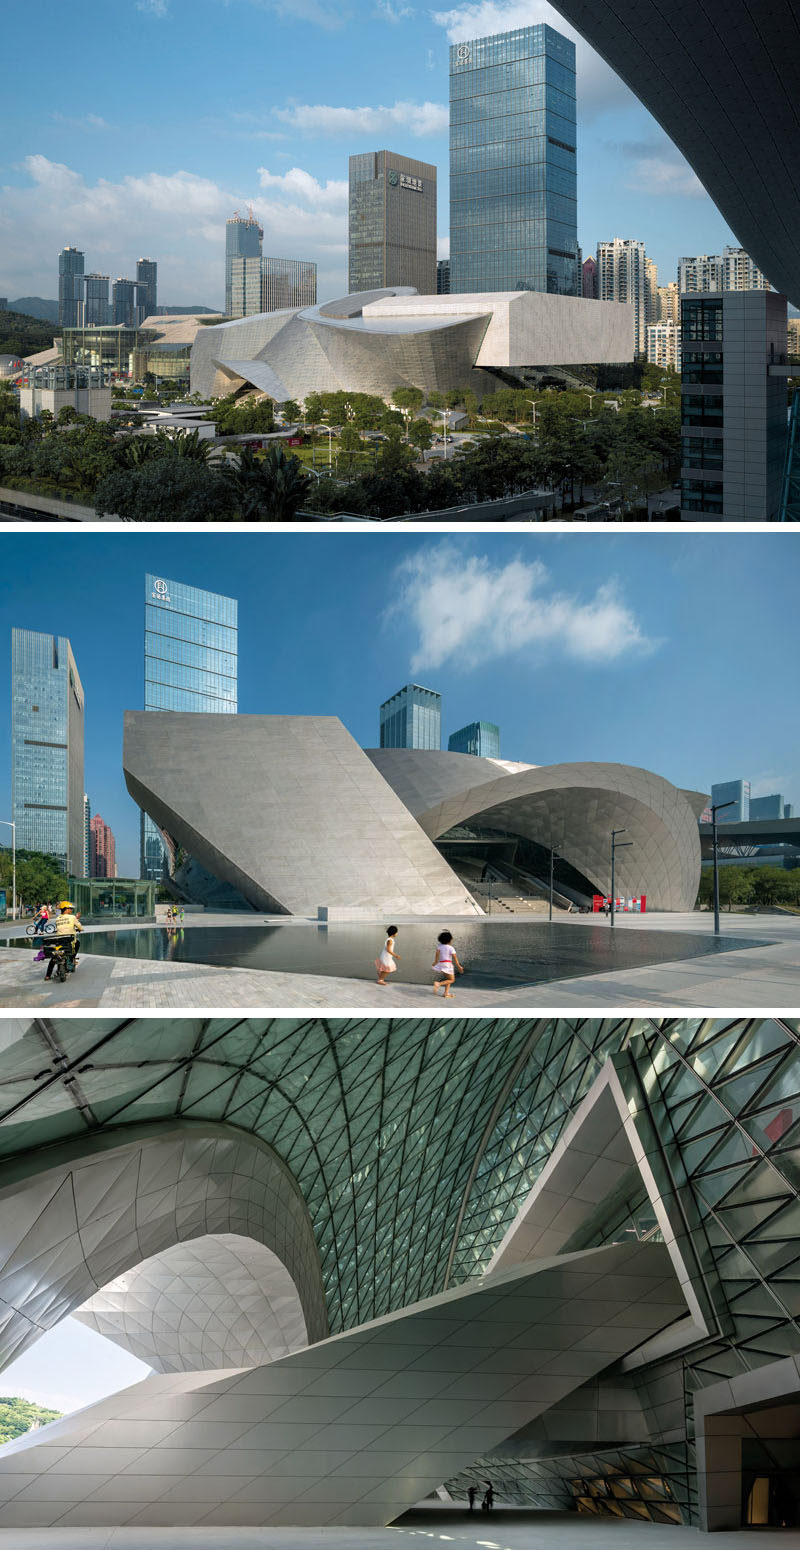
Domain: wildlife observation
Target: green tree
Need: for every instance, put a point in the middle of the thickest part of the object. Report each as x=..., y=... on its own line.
x=420, y=434
x=272, y=488
x=408, y=398
x=166, y=489
x=17, y=1416
x=290, y=410
x=39, y=878
x=192, y=445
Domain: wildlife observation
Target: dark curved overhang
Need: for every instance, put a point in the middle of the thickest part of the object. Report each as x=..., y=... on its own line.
x=721, y=80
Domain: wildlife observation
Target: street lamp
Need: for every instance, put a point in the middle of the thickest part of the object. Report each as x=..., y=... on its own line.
x=554, y=856
x=532, y=402
x=330, y=443
x=615, y=846
x=717, y=807
x=7, y=824
x=444, y=427
x=591, y=396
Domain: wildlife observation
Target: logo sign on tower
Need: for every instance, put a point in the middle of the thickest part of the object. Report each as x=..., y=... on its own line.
x=161, y=592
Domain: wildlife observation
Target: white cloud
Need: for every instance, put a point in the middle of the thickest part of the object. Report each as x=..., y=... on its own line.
x=668, y=174
x=329, y=17
x=153, y=7
x=768, y=785
x=389, y=12
x=301, y=185
x=477, y=611
x=89, y=121
x=178, y=217
x=599, y=89
x=418, y=118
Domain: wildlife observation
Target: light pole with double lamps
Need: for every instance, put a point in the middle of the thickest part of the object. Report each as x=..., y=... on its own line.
x=717, y=807
x=7, y=824
x=615, y=846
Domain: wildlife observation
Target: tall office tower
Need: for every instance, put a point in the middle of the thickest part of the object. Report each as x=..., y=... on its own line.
x=767, y=807
x=443, y=277
x=664, y=345
x=736, y=791
x=788, y=810
x=733, y=408
x=47, y=748
x=103, y=849
x=622, y=276
x=95, y=310
x=87, y=836
x=391, y=223
x=731, y=270
x=513, y=180
x=589, y=278
x=246, y=288
x=481, y=738
x=190, y=663
x=147, y=283
x=669, y=303
x=123, y=303
x=243, y=239
x=70, y=286
x=287, y=282
x=3, y=303
x=651, y=290
x=412, y=718
x=793, y=336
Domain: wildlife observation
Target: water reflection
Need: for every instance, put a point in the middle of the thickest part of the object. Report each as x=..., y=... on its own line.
x=494, y=954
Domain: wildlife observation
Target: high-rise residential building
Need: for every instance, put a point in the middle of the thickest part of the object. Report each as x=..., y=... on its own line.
x=737, y=792
x=287, y=282
x=103, y=849
x=733, y=407
x=70, y=286
x=3, y=303
x=391, y=222
x=412, y=718
x=669, y=303
x=793, y=336
x=664, y=345
x=481, y=738
x=443, y=277
x=87, y=836
x=95, y=310
x=243, y=238
x=147, y=286
x=190, y=663
x=513, y=179
x=622, y=276
x=47, y=748
x=123, y=303
x=589, y=278
x=271, y=285
x=246, y=288
x=730, y=270
x=767, y=807
x=651, y=290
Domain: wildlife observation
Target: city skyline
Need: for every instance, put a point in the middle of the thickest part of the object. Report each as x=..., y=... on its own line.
x=85, y=179
x=605, y=648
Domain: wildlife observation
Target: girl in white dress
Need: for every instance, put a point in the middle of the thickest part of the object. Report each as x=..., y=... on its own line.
x=446, y=962
x=385, y=962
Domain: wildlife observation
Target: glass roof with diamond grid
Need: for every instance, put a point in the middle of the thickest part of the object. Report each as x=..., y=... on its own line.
x=415, y=1141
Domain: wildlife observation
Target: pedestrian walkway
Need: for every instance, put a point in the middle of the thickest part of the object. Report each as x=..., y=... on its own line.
x=761, y=978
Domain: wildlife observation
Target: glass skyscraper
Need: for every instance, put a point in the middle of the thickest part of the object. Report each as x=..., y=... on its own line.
x=391, y=222
x=243, y=239
x=412, y=718
x=70, y=286
x=190, y=663
x=47, y=748
x=481, y=738
x=147, y=285
x=513, y=180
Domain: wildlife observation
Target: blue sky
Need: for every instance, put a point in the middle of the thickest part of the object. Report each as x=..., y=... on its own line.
x=152, y=120
x=675, y=651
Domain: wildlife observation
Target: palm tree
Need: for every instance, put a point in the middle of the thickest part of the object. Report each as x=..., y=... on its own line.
x=191, y=444
x=273, y=487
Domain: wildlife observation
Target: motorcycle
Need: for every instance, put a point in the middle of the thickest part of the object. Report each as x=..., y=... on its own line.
x=63, y=951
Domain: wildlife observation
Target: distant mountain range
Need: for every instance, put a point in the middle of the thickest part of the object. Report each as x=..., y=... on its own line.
x=47, y=311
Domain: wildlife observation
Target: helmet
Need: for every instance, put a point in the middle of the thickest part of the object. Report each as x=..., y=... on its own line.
x=64, y=904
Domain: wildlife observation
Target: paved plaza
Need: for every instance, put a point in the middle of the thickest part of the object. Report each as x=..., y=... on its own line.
x=507, y=1529
x=766, y=976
